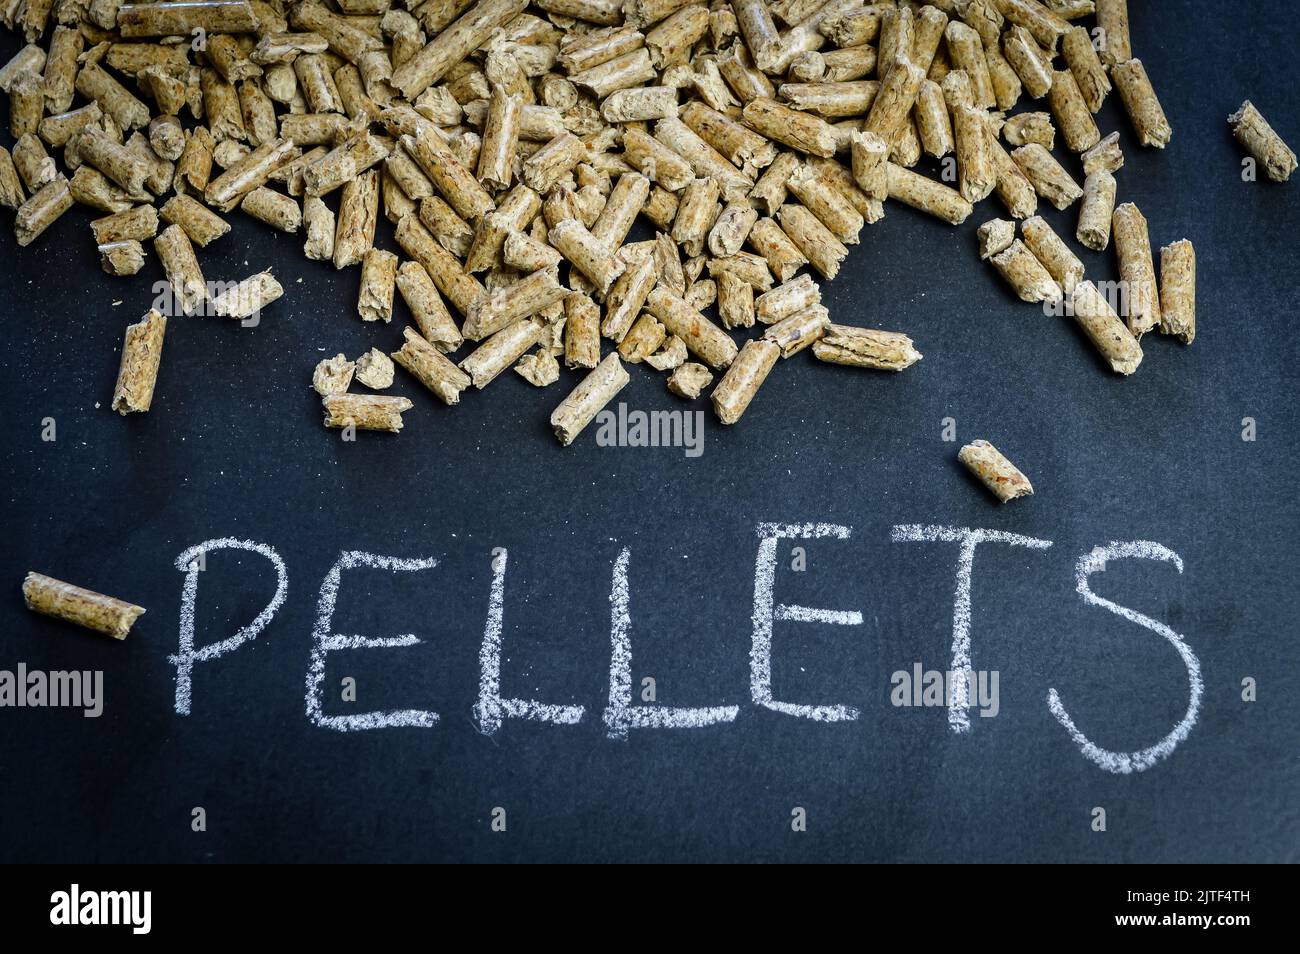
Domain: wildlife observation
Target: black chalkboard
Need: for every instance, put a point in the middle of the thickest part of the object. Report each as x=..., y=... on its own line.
x=234, y=448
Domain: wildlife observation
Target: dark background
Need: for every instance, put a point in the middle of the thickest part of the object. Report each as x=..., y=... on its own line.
x=234, y=447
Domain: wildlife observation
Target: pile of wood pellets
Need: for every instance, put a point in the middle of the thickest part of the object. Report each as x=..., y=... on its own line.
x=514, y=143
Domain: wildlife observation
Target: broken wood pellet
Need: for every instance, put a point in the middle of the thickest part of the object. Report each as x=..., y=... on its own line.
x=1262, y=142
x=1137, y=270
x=176, y=254
x=333, y=375
x=1022, y=129
x=865, y=348
x=374, y=369
x=138, y=373
x=794, y=333
x=431, y=368
x=586, y=400
x=121, y=258
x=1106, y=156
x=246, y=299
x=1178, y=291
x=365, y=412
x=1096, y=210
x=378, y=279
x=744, y=377
x=1026, y=274
x=81, y=607
x=642, y=339
x=994, y=471
x=995, y=236
x=1104, y=328
x=539, y=369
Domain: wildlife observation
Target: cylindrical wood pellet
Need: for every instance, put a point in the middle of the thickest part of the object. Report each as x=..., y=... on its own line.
x=138, y=372
x=365, y=412
x=927, y=195
x=82, y=607
x=1178, y=291
x=795, y=332
x=1137, y=269
x=1116, y=343
x=745, y=375
x=1096, y=210
x=357, y=218
x=1049, y=179
x=1050, y=249
x=1266, y=146
x=702, y=337
x=1026, y=274
x=431, y=368
x=1140, y=102
x=822, y=249
x=1073, y=118
x=994, y=471
x=865, y=348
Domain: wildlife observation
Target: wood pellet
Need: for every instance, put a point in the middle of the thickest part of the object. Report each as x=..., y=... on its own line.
x=579, y=186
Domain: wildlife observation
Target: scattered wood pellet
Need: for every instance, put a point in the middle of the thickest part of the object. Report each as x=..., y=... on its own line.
x=141, y=356
x=248, y=297
x=1178, y=291
x=365, y=412
x=1262, y=142
x=82, y=607
x=586, y=400
x=994, y=471
x=515, y=149
x=374, y=369
x=333, y=375
x=865, y=348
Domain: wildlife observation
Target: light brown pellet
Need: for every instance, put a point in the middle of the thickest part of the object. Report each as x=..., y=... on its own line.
x=795, y=332
x=333, y=375
x=456, y=285
x=822, y=249
x=81, y=607
x=1022, y=129
x=378, y=279
x=642, y=339
x=1025, y=57
x=358, y=215
x=586, y=253
x=502, y=307
x=994, y=236
x=427, y=308
x=1105, y=156
x=138, y=373
x=1078, y=128
x=1262, y=142
x=1178, y=291
x=1081, y=56
x=627, y=295
x=375, y=370
x=1050, y=181
x=827, y=203
x=1137, y=270
x=176, y=254
x=744, y=376
x=744, y=148
x=1050, y=249
x=586, y=400
x=1116, y=343
x=927, y=195
x=865, y=348
x=581, y=331
x=967, y=52
x=705, y=161
x=1096, y=210
x=893, y=103
x=769, y=240
x=318, y=224
x=228, y=189
x=689, y=380
x=200, y=223
x=365, y=412
x=452, y=179
x=1140, y=102
x=933, y=124
x=1112, y=20
x=431, y=368
x=247, y=298
x=502, y=350
x=1026, y=274
x=274, y=208
x=702, y=337
x=994, y=471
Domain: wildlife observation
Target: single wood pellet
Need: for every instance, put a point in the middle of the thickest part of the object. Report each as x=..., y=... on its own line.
x=82, y=607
